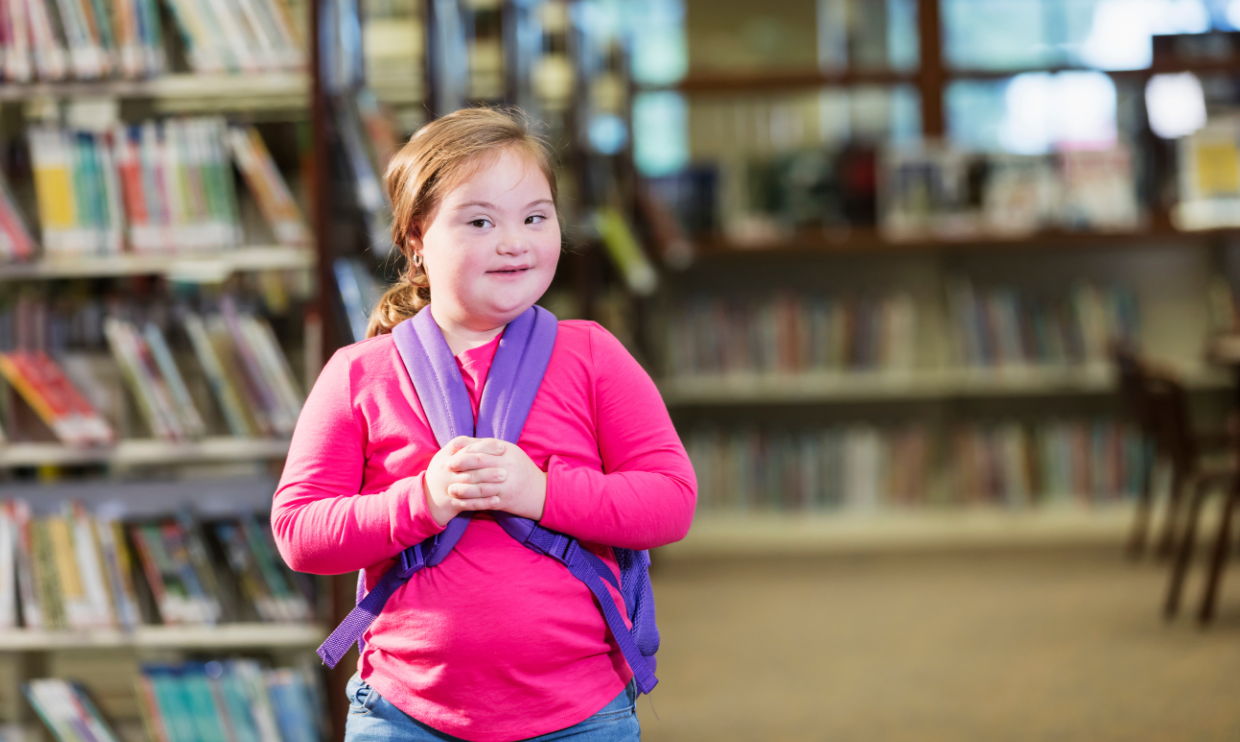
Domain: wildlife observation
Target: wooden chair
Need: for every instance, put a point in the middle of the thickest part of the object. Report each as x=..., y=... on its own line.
x=1156, y=403
x=1159, y=405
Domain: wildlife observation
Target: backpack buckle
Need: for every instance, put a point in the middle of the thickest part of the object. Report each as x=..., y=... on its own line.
x=411, y=560
x=562, y=548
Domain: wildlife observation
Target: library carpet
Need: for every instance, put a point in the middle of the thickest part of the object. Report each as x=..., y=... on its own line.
x=1029, y=644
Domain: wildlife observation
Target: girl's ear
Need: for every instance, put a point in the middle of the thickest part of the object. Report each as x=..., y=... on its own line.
x=414, y=236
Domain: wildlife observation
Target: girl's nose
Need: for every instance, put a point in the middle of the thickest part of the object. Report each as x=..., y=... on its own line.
x=512, y=244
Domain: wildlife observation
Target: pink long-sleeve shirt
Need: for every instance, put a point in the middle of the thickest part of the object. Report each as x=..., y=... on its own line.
x=497, y=643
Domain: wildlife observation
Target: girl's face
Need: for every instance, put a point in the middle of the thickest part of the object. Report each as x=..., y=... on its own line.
x=491, y=247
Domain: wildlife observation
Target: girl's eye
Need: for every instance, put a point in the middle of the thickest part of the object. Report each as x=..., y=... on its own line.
x=479, y=223
x=535, y=219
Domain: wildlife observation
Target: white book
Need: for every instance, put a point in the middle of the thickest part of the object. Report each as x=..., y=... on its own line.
x=94, y=582
x=8, y=571
x=202, y=47
x=51, y=59
x=18, y=55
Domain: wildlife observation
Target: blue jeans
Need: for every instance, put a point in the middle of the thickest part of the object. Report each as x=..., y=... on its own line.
x=373, y=719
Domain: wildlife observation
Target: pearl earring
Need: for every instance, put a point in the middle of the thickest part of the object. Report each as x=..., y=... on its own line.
x=417, y=260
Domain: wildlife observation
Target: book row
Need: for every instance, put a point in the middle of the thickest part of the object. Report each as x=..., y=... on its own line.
x=865, y=467
x=231, y=352
x=927, y=191
x=231, y=700
x=86, y=39
x=952, y=194
x=93, y=39
x=155, y=187
x=1006, y=326
x=79, y=570
x=791, y=333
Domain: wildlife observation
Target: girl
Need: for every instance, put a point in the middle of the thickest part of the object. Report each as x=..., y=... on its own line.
x=497, y=643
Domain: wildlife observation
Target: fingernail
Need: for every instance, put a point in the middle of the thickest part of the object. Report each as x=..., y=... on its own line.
x=501, y=476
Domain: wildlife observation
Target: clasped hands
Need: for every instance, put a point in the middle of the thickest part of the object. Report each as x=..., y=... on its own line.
x=472, y=474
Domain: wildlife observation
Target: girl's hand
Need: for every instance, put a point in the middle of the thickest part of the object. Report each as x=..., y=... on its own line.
x=524, y=491
x=465, y=475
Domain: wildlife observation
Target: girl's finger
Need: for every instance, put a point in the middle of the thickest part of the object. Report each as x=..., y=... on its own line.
x=459, y=442
x=480, y=476
x=480, y=503
x=463, y=461
x=493, y=446
x=472, y=491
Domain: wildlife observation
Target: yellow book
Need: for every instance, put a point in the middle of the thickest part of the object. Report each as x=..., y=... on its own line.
x=53, y=180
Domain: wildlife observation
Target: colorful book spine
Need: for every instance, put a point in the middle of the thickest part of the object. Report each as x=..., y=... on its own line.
x=43, y=386
x=265, y=182
x=16, y=242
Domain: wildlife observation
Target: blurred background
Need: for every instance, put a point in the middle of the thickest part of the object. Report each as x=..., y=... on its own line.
x=941, y=295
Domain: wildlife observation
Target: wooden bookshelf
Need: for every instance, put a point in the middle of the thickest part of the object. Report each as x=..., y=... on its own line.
x=144, y=452
x=748, y=81
x=180, y=91
x=200, y=268
x=221, y=637
x=759, y=533
x=930, y=384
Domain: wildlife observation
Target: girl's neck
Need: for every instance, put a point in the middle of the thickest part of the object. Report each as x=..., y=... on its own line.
x=463, y=335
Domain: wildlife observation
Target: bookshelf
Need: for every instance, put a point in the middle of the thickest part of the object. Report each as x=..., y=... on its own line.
x=136, y=452
x=767, y=534
x=223, y=638
x=211, y=267
x=187, y=182
x=922, y=385
x=749, y=126
x=220, y=92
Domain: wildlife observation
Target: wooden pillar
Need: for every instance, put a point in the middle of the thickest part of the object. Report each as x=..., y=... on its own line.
x=931, y=77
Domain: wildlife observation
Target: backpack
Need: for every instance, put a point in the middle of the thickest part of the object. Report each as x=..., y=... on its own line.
x=512, y=384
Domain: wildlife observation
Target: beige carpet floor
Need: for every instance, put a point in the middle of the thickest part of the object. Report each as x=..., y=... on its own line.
x=1055, y=645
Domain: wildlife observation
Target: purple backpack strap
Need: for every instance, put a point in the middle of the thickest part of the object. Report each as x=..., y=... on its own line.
x=512, y=384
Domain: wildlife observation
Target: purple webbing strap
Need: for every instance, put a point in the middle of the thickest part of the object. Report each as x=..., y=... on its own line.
x=427, y=358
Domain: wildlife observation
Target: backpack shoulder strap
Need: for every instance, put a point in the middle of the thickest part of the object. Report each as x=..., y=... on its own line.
x=512, y=384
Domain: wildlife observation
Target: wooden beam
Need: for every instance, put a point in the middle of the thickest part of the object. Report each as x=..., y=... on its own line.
x=931, y=76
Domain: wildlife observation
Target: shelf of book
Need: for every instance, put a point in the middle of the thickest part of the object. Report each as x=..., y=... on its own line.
x=221, y=637
x=144, y=452
x=773, y=533
x=221, y=91
x=203, y=268
x=904, y=385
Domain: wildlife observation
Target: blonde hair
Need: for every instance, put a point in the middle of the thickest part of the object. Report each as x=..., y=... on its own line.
x=435, y=160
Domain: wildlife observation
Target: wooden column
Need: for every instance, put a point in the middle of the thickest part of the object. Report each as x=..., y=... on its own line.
x=931, y=76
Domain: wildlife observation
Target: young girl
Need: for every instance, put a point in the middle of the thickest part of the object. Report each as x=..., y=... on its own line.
x=497, y=643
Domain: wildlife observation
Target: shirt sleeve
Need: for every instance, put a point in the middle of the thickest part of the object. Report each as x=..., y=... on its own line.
x=647, y=491
x=321, y=521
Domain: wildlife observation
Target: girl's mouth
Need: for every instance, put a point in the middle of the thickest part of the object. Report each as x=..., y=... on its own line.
x=510, y=271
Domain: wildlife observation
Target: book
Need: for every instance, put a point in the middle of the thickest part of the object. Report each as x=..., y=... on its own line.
x=1002, y=327
x=226, y=394
x=8, y=570
x=44, y=386
x=234, y=700
x=264, y=180
x=791, y=333
x=67, y=712
x=16, y=242
x=32, y=613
